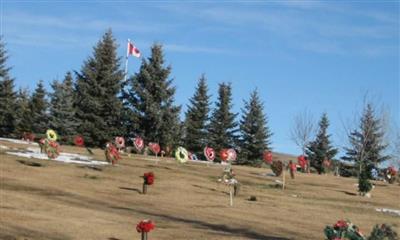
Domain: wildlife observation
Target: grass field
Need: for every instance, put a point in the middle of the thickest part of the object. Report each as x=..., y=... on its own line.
x=42, y=199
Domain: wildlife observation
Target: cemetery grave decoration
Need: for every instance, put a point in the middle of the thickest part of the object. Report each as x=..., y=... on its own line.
x=267, y=156
x=144, y=227
x=390, y=174
x=28, y=136
x=277, y=167
x=228, y=178
x=138, y=143
x=181, y=155
x=78, y=141
x=120, y=143
x=112, y=154
x=155, y=148
x=148, y=179
x=209, y=153
x=193, y=156
x=228, y=155
x=345, y=230
x=292, y=168
x=49, y=144
x=301, y=160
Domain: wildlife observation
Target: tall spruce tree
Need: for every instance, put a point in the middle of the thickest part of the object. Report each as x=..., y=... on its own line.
x=255, y=134
x=149, y=97
x=367, y=144
x=7, y=95
x=62, y=110
x=321, y=148
x=98, y=108
x=38, y=108
x=24, y=115
x=197, y=117
x=223, y=125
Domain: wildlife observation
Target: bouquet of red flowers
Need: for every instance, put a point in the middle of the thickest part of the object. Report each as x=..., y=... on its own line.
x=111, y=153
x=145, y=226
x=343, y=230
x=78, y=141
x=148, y=178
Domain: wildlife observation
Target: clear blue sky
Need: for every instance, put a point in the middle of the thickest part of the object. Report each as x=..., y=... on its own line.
x=319, y=55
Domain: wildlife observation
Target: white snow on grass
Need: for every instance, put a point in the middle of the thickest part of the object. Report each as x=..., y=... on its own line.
x=63, y=157
x=4, y=147
x=18, y=141
x=388, y=210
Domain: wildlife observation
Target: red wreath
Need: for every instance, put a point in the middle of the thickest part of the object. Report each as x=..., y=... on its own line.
x=78, y=141
x=231, y=154
x=120, y=142
x=145, y=226
x=148, y=178
x=267, y=155
x=209, y=153
x=155, y=148
x=139, y=143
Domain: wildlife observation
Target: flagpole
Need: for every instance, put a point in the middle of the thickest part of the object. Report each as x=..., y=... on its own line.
x=126, y=60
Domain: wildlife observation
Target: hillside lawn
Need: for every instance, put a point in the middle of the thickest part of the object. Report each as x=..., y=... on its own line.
x=59, y=201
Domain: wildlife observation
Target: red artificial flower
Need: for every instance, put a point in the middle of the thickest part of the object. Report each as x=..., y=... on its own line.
x=149, y=178
x=223, y=154
x=267, y=155
x=42, y=141
x=78, y=141
x=145, y=226
x=341, y=224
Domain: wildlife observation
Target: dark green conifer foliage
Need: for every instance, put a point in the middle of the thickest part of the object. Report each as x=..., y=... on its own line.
x=150, y=98
x=62, y=110
x=367, y=145
x=255, y=134
x=7, y=96
x=98, y=108
x=223, y=125
x=23, y=113
x=321, y=148
x=197, y=117
x=38, y=108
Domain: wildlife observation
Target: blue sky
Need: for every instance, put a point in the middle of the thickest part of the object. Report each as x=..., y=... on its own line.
x=315, y=55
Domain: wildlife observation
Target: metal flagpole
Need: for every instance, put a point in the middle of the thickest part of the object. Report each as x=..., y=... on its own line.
x=126, y=60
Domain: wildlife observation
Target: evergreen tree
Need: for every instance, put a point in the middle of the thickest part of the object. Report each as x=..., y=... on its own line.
x=150, y=100
x=367, y=143
x=98, y=108
x=223, y=126
x=7, y=95
x=24, y=115
x=321, y=149
x=255, y=134
x=197, y=117
x=38, y=108
x=62, y=110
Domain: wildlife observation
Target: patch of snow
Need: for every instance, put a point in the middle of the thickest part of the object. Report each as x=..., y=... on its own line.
x=18, y=141
x=387, y=210
x=3, y=147
x=63, y=157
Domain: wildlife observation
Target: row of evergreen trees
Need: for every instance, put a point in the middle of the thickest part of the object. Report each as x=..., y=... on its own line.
x=96, y=103
x=99, y=105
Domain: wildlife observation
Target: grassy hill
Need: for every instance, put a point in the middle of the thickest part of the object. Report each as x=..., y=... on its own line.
x=51, y=200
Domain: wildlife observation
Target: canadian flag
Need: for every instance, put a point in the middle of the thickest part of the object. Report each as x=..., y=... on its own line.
x=132, y=50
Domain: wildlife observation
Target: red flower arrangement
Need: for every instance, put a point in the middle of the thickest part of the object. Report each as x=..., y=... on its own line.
x=148, y=178
x=145, y=226
x=112, y=154
x=267, y=155
x=78, y=141
x=28, y=136
x=155, y=148
x=340, y=224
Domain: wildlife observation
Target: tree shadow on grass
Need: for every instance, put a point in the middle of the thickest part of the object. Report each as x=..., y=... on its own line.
x=244, y=232
x=131, y=189
x=348, y=193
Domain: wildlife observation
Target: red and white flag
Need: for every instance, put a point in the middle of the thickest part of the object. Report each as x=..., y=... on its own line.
x=132, y=50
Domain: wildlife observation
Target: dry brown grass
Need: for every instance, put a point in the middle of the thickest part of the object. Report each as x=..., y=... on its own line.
x=65, y=201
